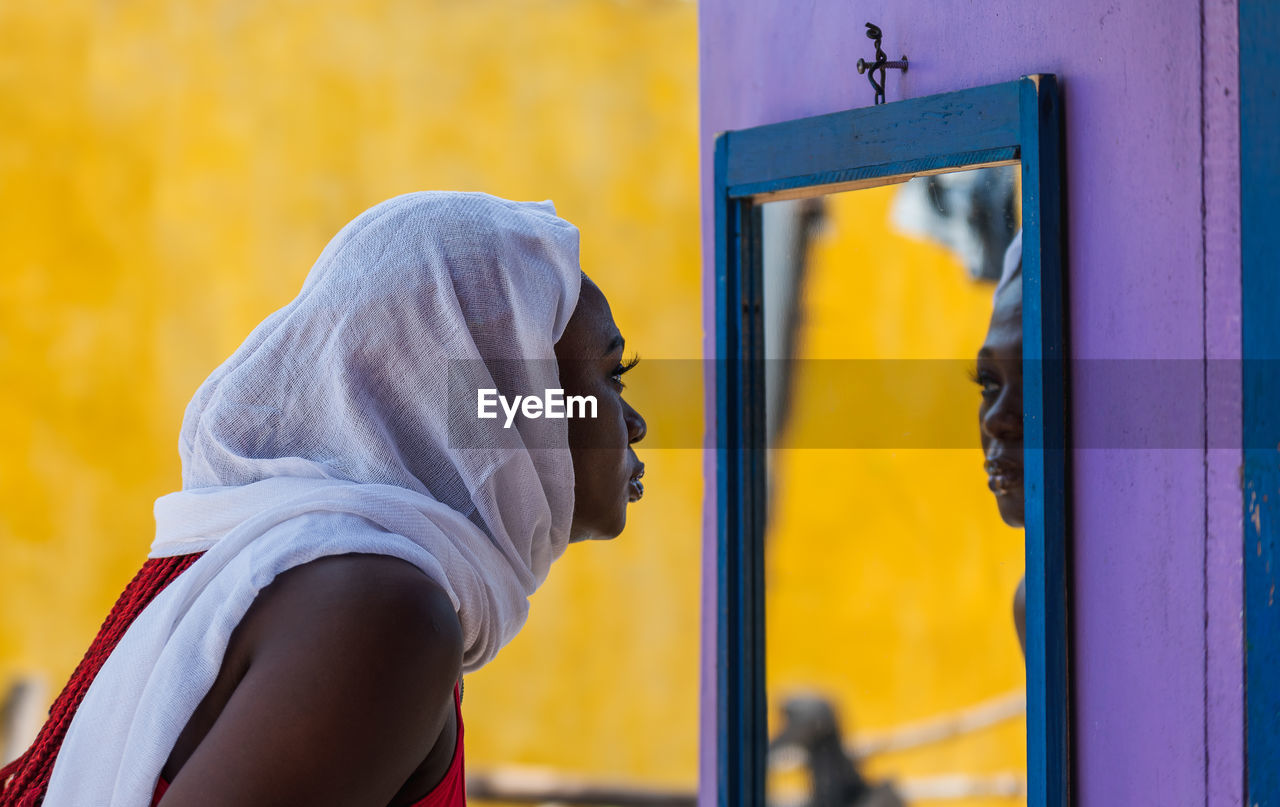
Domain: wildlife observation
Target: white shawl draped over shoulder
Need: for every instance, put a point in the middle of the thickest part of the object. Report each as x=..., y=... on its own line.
x=346, y=422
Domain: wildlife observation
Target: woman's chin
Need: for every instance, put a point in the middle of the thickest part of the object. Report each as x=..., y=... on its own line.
x=1012, y=507
x=602, y=531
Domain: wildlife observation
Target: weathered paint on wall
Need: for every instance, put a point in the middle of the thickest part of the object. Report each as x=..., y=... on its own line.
x=1224, y=587
x=169, y=171
x=1146, y=145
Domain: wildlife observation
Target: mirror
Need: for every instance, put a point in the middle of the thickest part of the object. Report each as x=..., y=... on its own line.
x=866, y=536
x=893, y=540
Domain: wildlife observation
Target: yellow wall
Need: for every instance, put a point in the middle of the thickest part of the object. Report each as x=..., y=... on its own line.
x=169, y=171
x=889, y=574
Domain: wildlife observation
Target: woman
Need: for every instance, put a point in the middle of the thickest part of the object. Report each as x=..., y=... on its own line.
x=999, y=373
x=351, y=536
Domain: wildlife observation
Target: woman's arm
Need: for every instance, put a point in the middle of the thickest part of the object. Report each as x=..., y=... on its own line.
x=352, y=664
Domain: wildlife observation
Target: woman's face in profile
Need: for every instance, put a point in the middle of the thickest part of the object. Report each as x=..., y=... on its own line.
x=606, y=470
x=999, y=373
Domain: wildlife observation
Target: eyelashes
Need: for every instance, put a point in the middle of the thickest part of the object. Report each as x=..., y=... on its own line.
x=623, y=367
x=989, y=383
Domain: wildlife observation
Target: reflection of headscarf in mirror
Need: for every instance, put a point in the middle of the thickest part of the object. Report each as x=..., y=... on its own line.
x=1012, y=271
x=330, y=431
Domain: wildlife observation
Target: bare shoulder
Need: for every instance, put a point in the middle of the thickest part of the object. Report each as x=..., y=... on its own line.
x=349, y=664
x=375, y=623
x=359, y=598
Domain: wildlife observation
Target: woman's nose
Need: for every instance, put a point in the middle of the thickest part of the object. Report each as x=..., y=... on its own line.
x=1003, y=421
x=636, y=427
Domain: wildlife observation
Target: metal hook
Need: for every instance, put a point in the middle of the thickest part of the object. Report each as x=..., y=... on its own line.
x=881, y=63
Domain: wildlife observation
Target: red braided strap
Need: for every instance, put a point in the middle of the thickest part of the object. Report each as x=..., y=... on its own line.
x=24, y=781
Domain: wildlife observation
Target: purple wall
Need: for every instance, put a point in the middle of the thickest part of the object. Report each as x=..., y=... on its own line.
x=1150, y=148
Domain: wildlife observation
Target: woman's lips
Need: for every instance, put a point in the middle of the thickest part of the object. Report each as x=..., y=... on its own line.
x=1001, y=484
x=635, y=488
x=1003, y=476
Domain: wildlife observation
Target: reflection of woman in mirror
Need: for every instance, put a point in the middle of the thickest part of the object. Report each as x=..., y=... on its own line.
x=999, y=373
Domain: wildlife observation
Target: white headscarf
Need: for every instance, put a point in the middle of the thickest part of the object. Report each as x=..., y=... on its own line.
x=1012, y=268
x=346, y=422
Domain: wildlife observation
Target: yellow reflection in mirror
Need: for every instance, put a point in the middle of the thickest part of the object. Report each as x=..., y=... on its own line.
x=889, y=572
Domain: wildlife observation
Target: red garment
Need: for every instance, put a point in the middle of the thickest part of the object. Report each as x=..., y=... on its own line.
x=24, y=782
x=451, y=792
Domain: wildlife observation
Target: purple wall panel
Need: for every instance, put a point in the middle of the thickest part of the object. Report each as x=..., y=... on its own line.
x=1224, y=685
x=1150, y=149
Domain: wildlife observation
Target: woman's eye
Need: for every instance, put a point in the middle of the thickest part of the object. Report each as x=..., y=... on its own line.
x=622, y=368
x=989, y=383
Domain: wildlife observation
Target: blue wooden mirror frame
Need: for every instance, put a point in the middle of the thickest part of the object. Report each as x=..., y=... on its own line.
x=1001, y=123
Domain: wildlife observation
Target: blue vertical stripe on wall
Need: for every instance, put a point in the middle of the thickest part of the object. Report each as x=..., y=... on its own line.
x=1260, y=282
